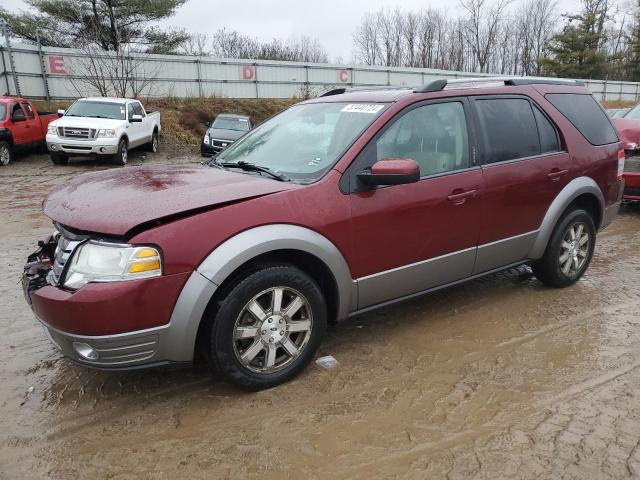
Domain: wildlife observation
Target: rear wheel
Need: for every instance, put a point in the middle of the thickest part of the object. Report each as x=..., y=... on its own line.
x=268, y=328
x=154, y=144
x=6, y=155
x=59, y=159
x=569, y=251
x=122, y=156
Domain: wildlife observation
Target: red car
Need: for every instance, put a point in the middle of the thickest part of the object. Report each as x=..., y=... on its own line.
x=629, y=130
x=21, y=126
x=336, y=206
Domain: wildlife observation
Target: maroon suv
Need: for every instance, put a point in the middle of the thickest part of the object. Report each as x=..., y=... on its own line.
x=336, y=206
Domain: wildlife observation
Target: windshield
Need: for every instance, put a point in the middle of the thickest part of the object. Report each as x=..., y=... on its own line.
x=84, y=108
x=229, y=123
x=633, y=114
x=304, y=141
x=3, y=111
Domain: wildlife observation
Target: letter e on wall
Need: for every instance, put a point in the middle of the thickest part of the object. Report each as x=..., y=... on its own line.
x=56, y=65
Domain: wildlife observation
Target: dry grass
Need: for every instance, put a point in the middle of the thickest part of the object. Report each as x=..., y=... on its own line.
x=183, y=119
x=618, y=104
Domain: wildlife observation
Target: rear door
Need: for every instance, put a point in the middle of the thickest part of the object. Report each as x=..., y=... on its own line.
x=410, y=238
x=524, y=168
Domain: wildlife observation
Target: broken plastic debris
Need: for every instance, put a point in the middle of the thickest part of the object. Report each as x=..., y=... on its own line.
x=327, y=362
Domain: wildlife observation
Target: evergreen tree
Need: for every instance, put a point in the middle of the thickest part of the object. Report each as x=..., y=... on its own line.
x=575, y=51
x=108, y=24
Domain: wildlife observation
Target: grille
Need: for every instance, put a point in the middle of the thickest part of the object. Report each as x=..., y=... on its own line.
x=64, y=249
x=76, y=132
x=221, y=143
x=632, y=164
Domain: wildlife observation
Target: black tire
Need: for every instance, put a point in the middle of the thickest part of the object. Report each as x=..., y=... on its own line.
x=6, y=153
x=549, y=269
x=122, y=157
x=154, y=144
x=224, y=348
x=58, y=159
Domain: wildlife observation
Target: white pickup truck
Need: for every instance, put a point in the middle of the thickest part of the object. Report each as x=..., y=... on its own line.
x=102, y=127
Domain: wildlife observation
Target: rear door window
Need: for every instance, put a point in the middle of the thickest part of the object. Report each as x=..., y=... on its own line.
x=509, y=129
x=549, y=141
x=584, y=112
x=137, y=109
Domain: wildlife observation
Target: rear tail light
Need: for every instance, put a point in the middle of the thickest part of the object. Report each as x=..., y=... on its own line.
x=620, y=164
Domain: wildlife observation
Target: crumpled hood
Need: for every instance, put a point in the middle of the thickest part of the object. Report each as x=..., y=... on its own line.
x=629, y=131
x=115, y=201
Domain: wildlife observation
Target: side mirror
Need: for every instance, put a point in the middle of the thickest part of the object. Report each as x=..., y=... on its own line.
x=391, y=171
x=135, y=118
x=61, y=112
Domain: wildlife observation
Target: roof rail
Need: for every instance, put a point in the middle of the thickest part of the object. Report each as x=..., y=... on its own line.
x=339, y=91
x=335, y=91
x=438, y=85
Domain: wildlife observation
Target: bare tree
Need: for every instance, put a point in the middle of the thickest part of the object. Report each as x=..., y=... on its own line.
x=196, y=45
x=366, y=40
x=482, y=25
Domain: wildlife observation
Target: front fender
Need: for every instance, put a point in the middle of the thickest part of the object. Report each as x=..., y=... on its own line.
x=233, y=253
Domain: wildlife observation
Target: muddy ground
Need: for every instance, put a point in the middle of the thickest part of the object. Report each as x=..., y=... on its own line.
x=498, y=378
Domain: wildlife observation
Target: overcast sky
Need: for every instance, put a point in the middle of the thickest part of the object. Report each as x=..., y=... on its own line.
x=331, y=21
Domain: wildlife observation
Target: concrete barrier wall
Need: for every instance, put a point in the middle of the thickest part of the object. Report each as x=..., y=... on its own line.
x=61, y=73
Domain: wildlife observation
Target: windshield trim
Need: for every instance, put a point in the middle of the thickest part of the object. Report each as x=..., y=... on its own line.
x=339, y=156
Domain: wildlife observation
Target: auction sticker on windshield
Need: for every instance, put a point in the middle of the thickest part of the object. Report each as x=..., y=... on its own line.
x=363, y=108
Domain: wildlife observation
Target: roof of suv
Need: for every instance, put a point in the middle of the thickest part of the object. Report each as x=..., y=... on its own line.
x=395, y=93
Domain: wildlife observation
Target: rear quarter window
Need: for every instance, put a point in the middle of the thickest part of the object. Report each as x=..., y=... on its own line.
x=584, y=112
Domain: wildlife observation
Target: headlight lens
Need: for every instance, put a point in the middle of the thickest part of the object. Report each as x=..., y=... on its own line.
x=106, y=133
x=96, y=261
x=51, y=130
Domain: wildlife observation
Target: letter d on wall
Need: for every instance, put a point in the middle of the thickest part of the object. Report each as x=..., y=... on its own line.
x=248, y=72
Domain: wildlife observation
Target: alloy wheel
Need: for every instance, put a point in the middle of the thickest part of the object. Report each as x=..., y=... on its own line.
x=574, y=249
x=5, y=155
x=272, y=329
x=124, y=153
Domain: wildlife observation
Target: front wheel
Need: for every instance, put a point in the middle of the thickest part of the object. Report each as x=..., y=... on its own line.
x=5, y=153
x=569, y=251
x=268, y=328
x=122, y=156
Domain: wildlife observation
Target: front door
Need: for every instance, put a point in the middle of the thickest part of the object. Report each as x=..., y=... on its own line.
x=20, y=129
x=524, y=169
x=411, y=238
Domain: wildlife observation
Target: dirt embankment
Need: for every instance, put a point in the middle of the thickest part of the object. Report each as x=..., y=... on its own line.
x=183, y=120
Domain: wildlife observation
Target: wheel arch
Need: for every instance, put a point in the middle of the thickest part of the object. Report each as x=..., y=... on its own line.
x=282, y=243
x=582, y=192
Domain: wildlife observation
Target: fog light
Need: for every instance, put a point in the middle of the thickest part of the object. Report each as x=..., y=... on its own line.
x=53, y=146
x=85, y=351
x=102, y=149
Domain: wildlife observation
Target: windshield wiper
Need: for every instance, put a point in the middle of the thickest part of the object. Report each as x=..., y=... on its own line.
x=251, y=167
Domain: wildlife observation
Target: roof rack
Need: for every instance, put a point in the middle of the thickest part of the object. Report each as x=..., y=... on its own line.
x=341, y=90
x=438, y=85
